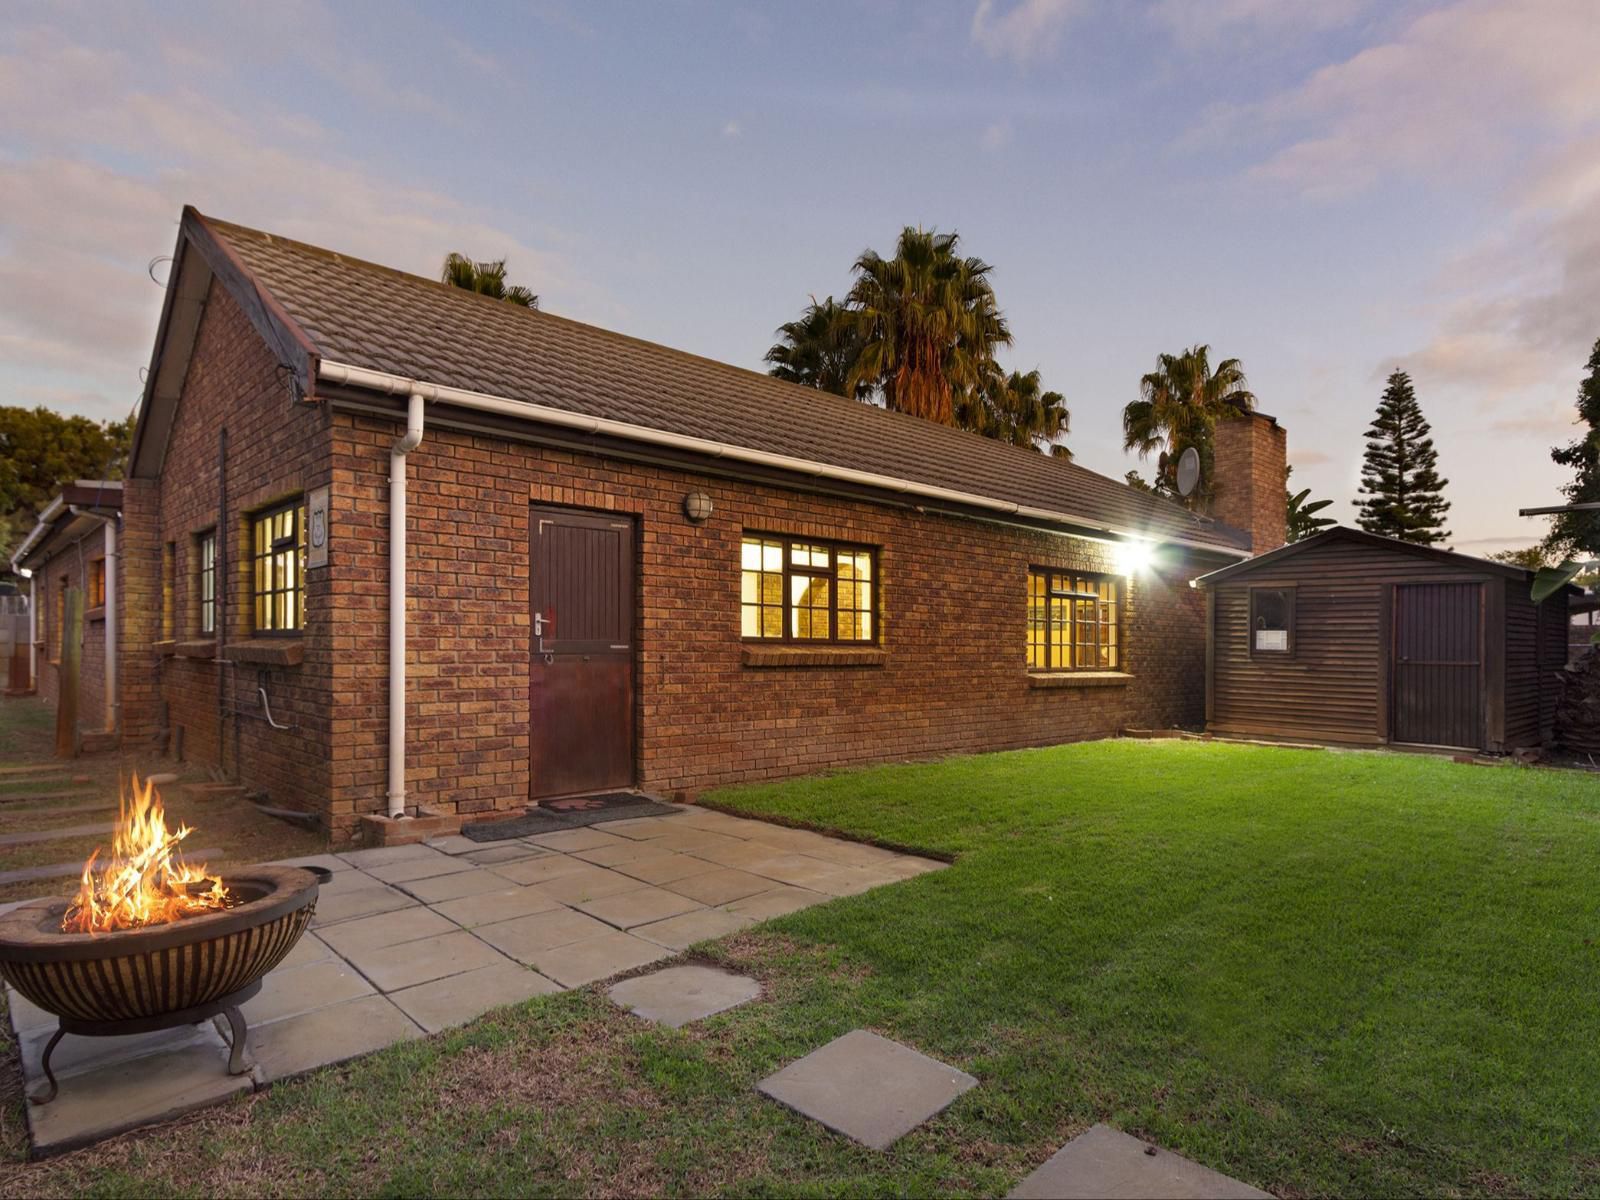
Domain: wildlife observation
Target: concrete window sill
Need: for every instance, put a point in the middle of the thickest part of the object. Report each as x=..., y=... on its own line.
x=1080, y=679
x=166, y=648
x=269, y=652
x=95, y=614
x=195, y=649
x=813, y=656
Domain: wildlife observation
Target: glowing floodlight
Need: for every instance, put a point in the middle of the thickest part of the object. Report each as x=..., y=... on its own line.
x=1135, y=557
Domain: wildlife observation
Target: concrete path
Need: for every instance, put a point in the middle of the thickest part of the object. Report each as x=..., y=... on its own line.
x=409, y=940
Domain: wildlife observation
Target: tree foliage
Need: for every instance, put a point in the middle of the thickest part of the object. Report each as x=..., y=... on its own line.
x=485, y=278
x=1529, y=558
x=41, y=450
x=1178, y=407
x=918, y=332
x=1399, y=474
x=1301, y=518
x=1579, y=532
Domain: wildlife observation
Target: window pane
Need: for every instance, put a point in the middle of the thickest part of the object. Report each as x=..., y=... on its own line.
x=750, y=620
x=750, y=554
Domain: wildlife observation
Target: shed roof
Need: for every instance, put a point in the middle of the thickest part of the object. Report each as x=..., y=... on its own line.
x=1343, y=533
x=318, y=307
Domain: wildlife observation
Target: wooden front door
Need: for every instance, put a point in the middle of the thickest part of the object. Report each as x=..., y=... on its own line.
x=580, y=703
x=1438, y=664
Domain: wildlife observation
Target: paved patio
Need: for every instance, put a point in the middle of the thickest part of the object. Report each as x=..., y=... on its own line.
x=409, y=940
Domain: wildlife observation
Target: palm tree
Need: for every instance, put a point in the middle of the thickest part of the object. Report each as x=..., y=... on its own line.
x=819, y=350
x=928, y=322
x=1178, y=407
x=1301, y=519
x=1015, y=409
x=485, y=278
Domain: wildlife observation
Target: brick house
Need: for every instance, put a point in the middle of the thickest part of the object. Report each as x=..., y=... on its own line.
x=613, y=564
x=74, y=545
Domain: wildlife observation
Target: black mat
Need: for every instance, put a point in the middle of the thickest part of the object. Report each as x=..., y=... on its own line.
x=569, y=814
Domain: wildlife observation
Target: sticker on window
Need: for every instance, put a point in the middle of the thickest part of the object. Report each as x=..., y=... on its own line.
x=1272, y=639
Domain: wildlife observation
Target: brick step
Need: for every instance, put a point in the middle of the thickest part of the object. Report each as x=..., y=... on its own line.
x=100, y=742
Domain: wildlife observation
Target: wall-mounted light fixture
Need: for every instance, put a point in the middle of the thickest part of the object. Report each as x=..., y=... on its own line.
x=697, y=507
x=1133, y=557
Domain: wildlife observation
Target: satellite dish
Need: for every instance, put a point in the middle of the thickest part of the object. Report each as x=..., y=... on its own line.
x=1188, y=471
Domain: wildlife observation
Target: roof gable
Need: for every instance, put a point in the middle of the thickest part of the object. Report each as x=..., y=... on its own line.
x=1343, y=533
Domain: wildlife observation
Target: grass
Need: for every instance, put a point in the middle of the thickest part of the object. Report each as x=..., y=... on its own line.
x=1320, y=972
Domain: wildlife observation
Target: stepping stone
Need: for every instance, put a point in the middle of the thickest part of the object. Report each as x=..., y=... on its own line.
x=462, y=998
x=867, y=1087
x=678, y=995
x=1105, y=1162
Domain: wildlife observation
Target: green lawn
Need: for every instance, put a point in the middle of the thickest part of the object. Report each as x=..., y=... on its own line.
x=1320, y=972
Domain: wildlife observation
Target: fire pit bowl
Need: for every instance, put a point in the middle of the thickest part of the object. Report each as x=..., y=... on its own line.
x=157, y=976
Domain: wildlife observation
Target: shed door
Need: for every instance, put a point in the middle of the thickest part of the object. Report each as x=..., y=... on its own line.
x=580, y=702
x=1438, y=664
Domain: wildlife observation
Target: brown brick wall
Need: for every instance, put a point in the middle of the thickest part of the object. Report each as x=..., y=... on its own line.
x=139, y=610
x=1249, y=466
x=275, y=449
x=952, y=602
x=951, y=677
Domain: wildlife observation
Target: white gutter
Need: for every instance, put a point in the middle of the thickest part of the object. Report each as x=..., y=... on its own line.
x=33, y=631
x=46, y=515
x=383, y=381
x=397, y=603
x=111, y=626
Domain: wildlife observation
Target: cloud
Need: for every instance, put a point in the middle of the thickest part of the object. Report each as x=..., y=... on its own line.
x=1197, y=26
x=997, y=136
x=732, y=129
x=1023, y=30
x=101, y=154
x=1299, y=457
x=1451, y=92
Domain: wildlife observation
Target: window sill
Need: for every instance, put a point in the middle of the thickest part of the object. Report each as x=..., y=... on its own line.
x=166, y=647
x=814, y=656
x=96, y=614
x=195, y=649
x=1079, y=679
x=270, y=652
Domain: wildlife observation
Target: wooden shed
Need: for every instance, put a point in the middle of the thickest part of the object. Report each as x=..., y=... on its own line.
x=1351, y=637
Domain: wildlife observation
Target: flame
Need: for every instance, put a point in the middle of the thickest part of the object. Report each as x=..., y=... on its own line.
x=142, y=884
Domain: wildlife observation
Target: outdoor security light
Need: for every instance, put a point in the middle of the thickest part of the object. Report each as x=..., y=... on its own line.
x=1134, y=557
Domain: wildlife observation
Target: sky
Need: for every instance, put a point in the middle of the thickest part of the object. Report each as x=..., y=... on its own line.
x=1325, y=191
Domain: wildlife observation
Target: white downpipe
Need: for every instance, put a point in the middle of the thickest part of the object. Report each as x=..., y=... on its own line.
x=383, y=381
x=111, y=626
x=33, y=630
x=397, y=604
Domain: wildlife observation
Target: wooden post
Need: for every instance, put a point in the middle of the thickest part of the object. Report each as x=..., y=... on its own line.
x=71, y=661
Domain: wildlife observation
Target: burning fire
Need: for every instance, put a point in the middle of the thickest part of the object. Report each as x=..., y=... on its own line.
x=142, y=884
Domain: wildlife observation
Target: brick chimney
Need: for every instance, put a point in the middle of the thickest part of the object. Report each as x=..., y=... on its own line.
x=1249, y=472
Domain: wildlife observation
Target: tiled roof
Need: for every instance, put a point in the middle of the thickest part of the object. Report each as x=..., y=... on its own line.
x=364, y=315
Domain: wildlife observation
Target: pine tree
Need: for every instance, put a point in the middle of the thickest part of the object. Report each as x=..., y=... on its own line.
x=1399, y=474
x=1579, y=532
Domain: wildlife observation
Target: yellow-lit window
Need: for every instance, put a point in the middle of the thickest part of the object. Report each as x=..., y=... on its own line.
x=1074, y=621
x=206, y=579
x=97, y=583
x=278, y=547
x=805, y=591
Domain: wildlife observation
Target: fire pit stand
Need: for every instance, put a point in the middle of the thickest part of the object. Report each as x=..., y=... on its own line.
x=227, y=1005
x=131, y=981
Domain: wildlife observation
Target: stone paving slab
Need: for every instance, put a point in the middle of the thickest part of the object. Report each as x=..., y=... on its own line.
x=661, y=867
x=763, y=906
x=588, y=837
x=867, y=1087
x=401, y=965
x=593, y=883
x=542, y=869
x=1104, y=1162
x=287, y=993
x=525, y=937
x=385, y=929
x=363, y=903
x=419, y=868
x=136, y=1091
x=508, y=852
x=703, y=924
x=453, y=844
x=329, y=1035
x=330, y=862
x=487, y=908
x=678, y=995
x=439, y=888
x=638, y=907
x=382, y=856
x=462, y=998
x=720, y=886
x=600, y=957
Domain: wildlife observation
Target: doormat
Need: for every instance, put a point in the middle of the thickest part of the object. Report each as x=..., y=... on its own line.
x=572, y=813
